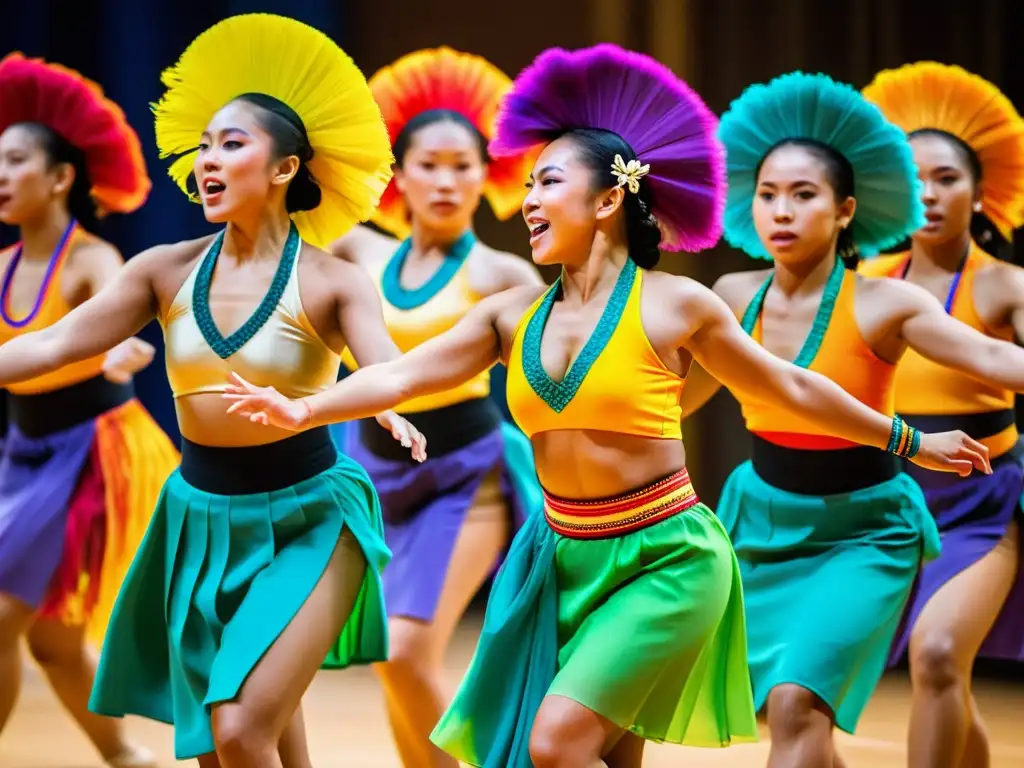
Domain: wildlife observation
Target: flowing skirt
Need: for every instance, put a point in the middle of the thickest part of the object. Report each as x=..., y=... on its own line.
x=645, y=628
x=219, y=577
x=825, y=581
x=74, y=506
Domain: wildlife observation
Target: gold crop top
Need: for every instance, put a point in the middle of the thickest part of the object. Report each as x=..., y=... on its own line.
x=616, y=384
x=834, y=348
x=50, y=306
x=416, y=316
x=285, y=352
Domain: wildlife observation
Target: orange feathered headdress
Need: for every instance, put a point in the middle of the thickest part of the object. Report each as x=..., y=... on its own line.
x=442, y=78
x=32, y=90
x=950, y=99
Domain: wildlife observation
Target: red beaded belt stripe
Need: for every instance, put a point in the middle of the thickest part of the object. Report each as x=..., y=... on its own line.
x=606, y=518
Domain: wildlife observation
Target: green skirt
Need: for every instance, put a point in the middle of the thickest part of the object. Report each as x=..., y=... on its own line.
x=645, y=629
x=825, y=581
x=217, y=579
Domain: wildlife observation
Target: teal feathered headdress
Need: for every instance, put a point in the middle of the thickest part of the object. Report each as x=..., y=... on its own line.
x=815, y=107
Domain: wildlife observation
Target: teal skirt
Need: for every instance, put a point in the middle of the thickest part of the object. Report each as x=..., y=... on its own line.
x=646, y=629
x=825, y=581
x=215, y=582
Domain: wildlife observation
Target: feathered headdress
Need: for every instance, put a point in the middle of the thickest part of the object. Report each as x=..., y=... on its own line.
x=665, y=122
x=32, y=90
x=950, y=99
x=442, y=78
x=815, y=107
x=302, y=67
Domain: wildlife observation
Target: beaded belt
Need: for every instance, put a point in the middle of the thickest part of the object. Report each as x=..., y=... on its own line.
x=617, y=516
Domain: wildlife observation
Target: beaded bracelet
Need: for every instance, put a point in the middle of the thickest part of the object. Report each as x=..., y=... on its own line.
x=904, y=440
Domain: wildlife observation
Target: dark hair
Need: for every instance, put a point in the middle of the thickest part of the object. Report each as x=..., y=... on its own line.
x=59, y=151
x=597, y=149
x=429, y=117
x=967, y=154
x=839, y=173
x=290, y=138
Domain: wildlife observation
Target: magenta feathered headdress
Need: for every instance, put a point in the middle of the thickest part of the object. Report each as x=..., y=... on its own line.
x=665, y=122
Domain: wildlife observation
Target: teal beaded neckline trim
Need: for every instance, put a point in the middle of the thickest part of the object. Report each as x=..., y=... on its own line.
x=402, y=298
x=226, y=347
x=558, y=394
x=821, y=320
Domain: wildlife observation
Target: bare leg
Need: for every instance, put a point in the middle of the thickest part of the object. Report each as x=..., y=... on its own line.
x=943, y=645
x=70, y=666
x=15, y=618
x=627, y=753
x=412, y=676
x=568, y=735
x=248, y=730
x=801, y=729
x=292, y=748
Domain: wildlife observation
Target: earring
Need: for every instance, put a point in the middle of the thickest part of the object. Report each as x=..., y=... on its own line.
x=977, y=207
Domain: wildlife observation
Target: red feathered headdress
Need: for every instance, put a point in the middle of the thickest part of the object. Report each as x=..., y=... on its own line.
x=442, y=78
x=32, y=90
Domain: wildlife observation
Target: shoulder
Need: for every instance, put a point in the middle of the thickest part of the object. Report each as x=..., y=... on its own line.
x=737, y=289
x=673, y=293
x=492, y=271
x=346, y=279
x=885, y=291
x=170, y=256
x=881, y=266
x=362, y=245
x=92, y=251
x=1000, y=280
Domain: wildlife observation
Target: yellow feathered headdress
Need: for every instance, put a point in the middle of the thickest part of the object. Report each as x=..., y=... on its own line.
x=950, y=99
x=442, y=78
x=301, y=66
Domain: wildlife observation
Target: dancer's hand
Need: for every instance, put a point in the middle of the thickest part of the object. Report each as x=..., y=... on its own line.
x=952, y=452
x=405, y=433
x=266, y=406
x=126, y=359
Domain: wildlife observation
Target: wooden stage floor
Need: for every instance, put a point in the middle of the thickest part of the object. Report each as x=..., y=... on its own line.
x=346, y=725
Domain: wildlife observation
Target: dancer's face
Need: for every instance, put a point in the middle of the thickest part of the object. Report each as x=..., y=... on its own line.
x=562, y=209
x=949, y=193
x=235, y=168
x=29, y=181
x=442, y=176
x=796, y=211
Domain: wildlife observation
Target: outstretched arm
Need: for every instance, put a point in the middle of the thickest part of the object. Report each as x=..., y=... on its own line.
x=718, y=342
x=120, y=310
x=934, y=334
x=472, y=346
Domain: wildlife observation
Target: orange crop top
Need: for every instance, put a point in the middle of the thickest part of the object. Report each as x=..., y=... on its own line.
x=616, y=384
x=419, y=315
x=924, y=387
x=49, y=307
x=834, y=348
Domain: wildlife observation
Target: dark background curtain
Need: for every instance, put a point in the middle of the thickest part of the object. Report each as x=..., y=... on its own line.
x=720, y=46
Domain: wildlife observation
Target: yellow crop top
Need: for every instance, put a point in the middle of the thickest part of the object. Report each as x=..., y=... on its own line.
x=285, y=352
x=50, y=306
x=616, y=384
x=834, y=348
x=924, y=387
x=428, y=312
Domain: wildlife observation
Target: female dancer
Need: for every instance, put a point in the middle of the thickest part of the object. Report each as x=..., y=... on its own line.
x=815, y=171
x=82, y=463
x=968, y=143
x=446, y=521
x=618, y=616
x=265, y=549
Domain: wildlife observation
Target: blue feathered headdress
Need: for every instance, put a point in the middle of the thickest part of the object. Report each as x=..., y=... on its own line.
x=800, y=105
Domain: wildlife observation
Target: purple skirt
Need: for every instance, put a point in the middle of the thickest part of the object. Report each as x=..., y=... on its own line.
x=425, y=505
x=972, y=514
x=38, y=477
